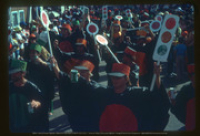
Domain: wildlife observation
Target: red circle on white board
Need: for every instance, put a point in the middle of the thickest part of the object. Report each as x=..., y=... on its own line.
x=155, y=25
x=118, y=17
x=104, y=8
x=159, y=18
x=101, y=39
x=92, y=28
x=170, y=23
x=166, y=37
x=44, y=19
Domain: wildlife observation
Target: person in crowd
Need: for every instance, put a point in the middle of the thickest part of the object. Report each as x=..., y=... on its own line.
x=35, y=31
x=63, y=41
x=75, y=101
x=25, y=32
x=180, y=53
x=25, y=101
x=133, y=103
x=39, y=72
x=184, y=106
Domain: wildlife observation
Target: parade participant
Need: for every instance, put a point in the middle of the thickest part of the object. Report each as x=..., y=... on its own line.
x=75, y=101
x=34, y=31
x=64, y=40
x=184, y=106
x=115, y=30
x=24, y=117
x=136, y=61
x=38, y=72
x=131, y=108
x=79, y=54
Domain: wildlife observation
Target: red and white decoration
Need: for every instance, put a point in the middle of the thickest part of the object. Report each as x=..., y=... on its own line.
x=44, y=19
x=128, y=13
x=104, y=12
x=166, y=36
x=159, y=18
x=101, y=39
x=92, y=28
x=118, y=17
x=155, y=26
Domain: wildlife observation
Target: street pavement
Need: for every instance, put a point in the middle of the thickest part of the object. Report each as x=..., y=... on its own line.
x=59, y=121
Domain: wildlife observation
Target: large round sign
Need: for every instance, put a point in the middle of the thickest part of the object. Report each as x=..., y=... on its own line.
x=155, y=26
x=170, y=23
x=166, y=37
x=92, y=28
x=118, y=17
x=101, y=39
x=44, y=19
x=162, y=50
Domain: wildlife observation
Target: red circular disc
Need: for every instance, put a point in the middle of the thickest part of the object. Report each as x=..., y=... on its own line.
x=101, y=40
x=159, y=18
x=118, y=118
x=170, y=23
x=44, y=18
x=92, y=28
x=166, y=37
x=104, y=8
x=104, y=12
x=155, y=25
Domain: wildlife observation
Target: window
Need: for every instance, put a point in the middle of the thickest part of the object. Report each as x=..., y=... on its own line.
x=15, y=18
x=21, y=15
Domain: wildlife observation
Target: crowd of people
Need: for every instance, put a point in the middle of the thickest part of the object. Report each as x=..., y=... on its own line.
x=126, y=104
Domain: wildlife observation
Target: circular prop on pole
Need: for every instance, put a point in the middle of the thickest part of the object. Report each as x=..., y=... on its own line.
x=44, y=19
x=101, y=39
x=118, y=17
x=155, y=26
x=92, y=28
x=159, y=18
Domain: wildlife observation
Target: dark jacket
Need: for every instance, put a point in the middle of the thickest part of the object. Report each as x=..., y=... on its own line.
x=77, y=103
x=20, y=120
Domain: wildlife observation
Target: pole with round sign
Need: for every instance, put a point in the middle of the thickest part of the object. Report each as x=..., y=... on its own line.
x=45, y=22
x=118, y=17
x=165, y=39
x=93, y=29
x=103, y=41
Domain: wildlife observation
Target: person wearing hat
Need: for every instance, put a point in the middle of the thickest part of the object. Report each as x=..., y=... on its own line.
x=40, y=73
x=63, y=41
x=184, y=106
x=128, y=109
x=34, y=31
x=80, y=53
x=21, y=93
x=75, y=100
x=32, y=39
